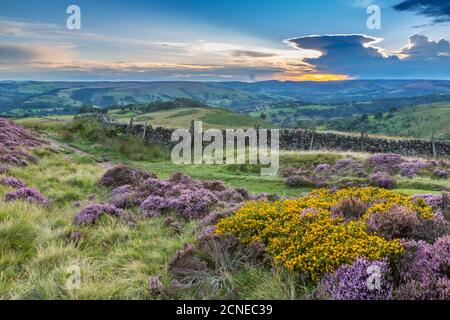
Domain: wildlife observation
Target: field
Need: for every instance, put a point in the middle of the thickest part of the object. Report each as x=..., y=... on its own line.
x=418, y=122
x=147, y=258
x=182, y=118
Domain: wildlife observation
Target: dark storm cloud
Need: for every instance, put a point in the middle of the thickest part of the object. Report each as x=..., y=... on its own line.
x=355, y=55
x=439, y=10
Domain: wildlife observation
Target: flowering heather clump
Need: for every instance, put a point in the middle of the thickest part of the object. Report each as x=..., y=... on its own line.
x=193, y=204
x=423, y=270
x=90, y=215
x=382, y=180
x=353, y=282
x=214, y=185
x=410, y=169
x=121, y=190
x=27, y=194
x=389, y=162
x=439, y=202
x=13, y=160
x=442, y=173
x=12, y=138
x=76, y=237
x=156, y=287
x=3, y=170
x=124, y=175
x=351, y=208
x=431, y=229
x=11, y=134
x=188, y=197
x=323, y=167
x=12, y=182
x=345, y=164
x=398, y=222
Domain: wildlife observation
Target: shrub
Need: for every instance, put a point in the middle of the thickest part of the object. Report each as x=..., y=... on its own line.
x=382, y=180
x=431, y=229
x=353, y=282
x=313, y=241
x=351, y=208
x=410, y=169
x=398, y=222
x=185, y=262
x=27, y=194
x=299, y=181
x=12, y=182
x=442, y=173
x=423, y=270
x=123, y=175
x=156, y=287
x=388, y=162
x=91, y=214
x=323, y=167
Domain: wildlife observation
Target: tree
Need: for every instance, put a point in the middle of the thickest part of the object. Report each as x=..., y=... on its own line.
x=378, y=115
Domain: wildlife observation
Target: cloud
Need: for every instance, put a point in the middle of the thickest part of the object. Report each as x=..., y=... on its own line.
x=439, y=10
x=356, y=56
x=422, y=47
x=122, y=70
x=15, y=54
x=252, y=54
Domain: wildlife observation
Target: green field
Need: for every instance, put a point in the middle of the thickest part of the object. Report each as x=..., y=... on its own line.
x=182, y=118
x=418, y=122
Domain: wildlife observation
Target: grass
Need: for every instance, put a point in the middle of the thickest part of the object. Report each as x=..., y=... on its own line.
x=418, y=122
x=115, y=260
x=182, y=118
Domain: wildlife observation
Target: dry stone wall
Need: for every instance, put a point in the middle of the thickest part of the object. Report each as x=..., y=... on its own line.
x=300, y=139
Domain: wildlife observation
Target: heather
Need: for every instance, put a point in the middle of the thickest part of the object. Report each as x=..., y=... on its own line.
x=379, y=170
x=27, y=194
x=15, y=143
x=350, y=282
x=173, y=250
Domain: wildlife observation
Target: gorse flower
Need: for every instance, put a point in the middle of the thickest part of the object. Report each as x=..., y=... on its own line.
x=304, y=234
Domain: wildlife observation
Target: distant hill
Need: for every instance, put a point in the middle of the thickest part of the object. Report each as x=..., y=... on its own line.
x=45, y=98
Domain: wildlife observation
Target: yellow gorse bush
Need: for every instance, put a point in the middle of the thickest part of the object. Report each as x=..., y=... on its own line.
x=302, y=234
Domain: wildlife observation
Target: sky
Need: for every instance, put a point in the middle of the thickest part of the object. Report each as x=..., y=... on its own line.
x=234, y=40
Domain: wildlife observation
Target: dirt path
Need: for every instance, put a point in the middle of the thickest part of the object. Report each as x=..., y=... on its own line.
x=65, y=146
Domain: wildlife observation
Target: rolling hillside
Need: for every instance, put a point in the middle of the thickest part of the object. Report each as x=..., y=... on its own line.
x=418, y=122
x=182, y=118
x=64, y=97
